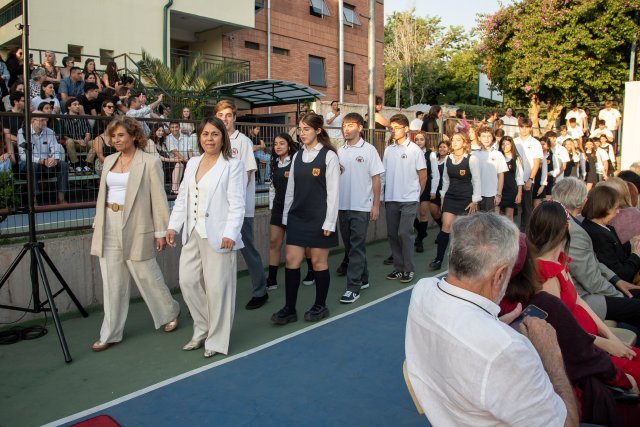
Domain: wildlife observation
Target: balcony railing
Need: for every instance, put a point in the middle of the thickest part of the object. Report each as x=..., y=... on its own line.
x=10, y=12
x=241, y=70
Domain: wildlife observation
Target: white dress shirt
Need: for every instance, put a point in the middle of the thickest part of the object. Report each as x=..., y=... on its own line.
x=272, y=190
x=476, y=182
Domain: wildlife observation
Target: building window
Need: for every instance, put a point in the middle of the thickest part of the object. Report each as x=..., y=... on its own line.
x=251, y=45
x=75, y=52
x=281, y=51
x=316, y=71
x=348, y=76
x=319, y=8
x=350, y=15
x=106, y=56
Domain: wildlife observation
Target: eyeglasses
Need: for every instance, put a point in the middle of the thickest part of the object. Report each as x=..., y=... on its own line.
x=108, y=106
x=305, y=130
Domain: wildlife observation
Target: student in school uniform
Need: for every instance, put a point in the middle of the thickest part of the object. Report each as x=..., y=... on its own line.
x=359, y=201
x=436, y=203
x=404, y=180
x=283, y=150
x=542, y=178
x=429, y=193
x=242, y=149
x=530, y=152
x=513, y=182
x=461, y=191
x=310, y=215
x=492, y=168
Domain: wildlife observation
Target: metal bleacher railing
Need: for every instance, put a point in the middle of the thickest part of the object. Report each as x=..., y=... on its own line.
x=78, y=211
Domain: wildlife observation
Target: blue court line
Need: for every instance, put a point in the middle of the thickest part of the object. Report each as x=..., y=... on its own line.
x=344, y=371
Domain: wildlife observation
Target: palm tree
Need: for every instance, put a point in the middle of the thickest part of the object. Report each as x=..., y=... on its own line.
x=192, y=81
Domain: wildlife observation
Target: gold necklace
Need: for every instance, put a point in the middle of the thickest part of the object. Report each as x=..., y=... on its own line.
x=122, y=165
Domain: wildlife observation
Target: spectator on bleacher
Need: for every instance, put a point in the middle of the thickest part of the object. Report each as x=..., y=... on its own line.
x=138, y=109
x=597, y=285
x=102, y=143
x=52, y=73
x=165, y=114
x=462, y=361
x=89, y=100
x=77, y=134
x=627, y=220
x=14, y=63
x=4, y=79
x=123, y=93
x=67, y=63
x=35, y=85
x=16, y=87
x=47, y=94
x=91, y=78
x=179, y=146
x=72, y=86
x=47, y=156
x=186, y=128
x=11, y=125
x=90, y=70
x=600, y=209
x=110, y=77
x=107, y=111
x=157, y=146
x=7, y=156
x=262, y=158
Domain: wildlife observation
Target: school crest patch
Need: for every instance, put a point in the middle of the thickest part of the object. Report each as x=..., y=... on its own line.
x=463, y=172
x=315, y=172
x=403, y=156
x=360, y=159
x=234, y=152
x=286, y=174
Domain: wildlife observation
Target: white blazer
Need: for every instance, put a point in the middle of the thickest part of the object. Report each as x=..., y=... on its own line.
x=225, y=203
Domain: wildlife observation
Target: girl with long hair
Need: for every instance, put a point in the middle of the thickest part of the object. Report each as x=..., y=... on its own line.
x=282, y=151
x=310, y=215
x=429, y=193
x=436, y=203
x=110, y=76
x=90, y=70
x=513, y=179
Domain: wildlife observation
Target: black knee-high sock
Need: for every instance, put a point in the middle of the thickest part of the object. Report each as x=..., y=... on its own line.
x=443, y=242
x=416, y=225
x=309, y=266
x=273, y=273
x=291, y=284
x=422, y=230
x=322, y=286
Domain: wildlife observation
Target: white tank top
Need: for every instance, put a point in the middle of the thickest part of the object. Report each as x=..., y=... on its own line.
x=117, y=187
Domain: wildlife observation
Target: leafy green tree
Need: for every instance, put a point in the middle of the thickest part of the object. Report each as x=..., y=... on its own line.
x=554, y=51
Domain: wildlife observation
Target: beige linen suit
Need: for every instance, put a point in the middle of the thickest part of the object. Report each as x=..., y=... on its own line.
x=125, y=243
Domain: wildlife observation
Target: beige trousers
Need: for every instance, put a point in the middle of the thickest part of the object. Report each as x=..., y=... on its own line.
x=73, y=147
x=208, y=284
x=116, y=282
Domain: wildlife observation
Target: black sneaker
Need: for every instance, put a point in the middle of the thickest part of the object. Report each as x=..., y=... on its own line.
x=309, y=279
x=349, y=297
x=395, y=274
x=257, y=302
x=364, y=285
x=284, y=316
x=388, y=261
x=419, y=246
x=407, y=276
x=272, y=285
x=316, y=313
x=435, y=265
x=342, y=270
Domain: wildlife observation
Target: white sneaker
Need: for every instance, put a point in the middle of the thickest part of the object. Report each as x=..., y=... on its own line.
x=78, y=169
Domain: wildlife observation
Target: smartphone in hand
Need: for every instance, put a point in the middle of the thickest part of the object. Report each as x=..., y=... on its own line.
x=530, y=310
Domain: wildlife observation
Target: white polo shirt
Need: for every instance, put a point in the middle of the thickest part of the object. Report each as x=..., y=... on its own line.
x=575, y=132
x=510, y=125
x=242, y=149
x=491, y=164
x=361, y=162
x=528, y=149
x=401, y=165
x=610, y=117
x=467, y=368
x=561, y=155
x=337, y=123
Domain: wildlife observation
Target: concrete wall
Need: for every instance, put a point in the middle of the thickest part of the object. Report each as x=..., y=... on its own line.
x=71, y=255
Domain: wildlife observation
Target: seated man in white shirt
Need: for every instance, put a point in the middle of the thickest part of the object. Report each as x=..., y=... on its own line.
x=468, y=368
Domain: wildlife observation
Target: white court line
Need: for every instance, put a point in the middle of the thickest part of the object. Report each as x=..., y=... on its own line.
x=246, y=353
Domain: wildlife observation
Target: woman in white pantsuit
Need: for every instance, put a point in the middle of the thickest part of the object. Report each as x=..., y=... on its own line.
x=210, y=207
x=129, y=227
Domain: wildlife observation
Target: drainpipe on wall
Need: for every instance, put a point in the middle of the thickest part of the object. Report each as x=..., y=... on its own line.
x=340, y=51
x=165, y=30
x=269, y=42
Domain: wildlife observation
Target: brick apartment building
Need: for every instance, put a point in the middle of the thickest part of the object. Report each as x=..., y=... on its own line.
x=304, y=43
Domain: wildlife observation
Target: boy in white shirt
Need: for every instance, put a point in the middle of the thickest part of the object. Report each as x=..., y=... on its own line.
x=359, y=201
x=530, y=151
x=403, y=182
x=492, y=168
x=575, y=131
x=242, y=149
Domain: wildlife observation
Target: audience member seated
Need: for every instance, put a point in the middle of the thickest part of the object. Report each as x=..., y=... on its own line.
x=547, y=240
x=157, y=146
x=72, y=86
x=632, y=177
x=4, y=80
x=77, y=134
x=595, y=282
x=165, y=113
x=179, y=146
x=259, y=152
x=51, y=72
x=12, y=124
x=600, y=209
x=14, y=63
x=187, y=128
x=89, y=100
x=16, y=87
x=590, y=369
x=67, y=63
x=138, y=109
x=627, y=220
x=107, y=111
x=47, y=94
x=47, y=156
x=110, y=77
x=103, y=148
x=465, y=366
x=35, y=86
x=7, y=156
